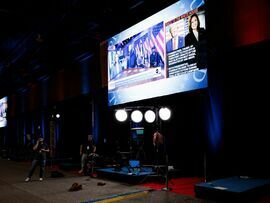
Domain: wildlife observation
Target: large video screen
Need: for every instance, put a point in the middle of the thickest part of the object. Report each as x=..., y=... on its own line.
x=161, y=55
x=3, y=112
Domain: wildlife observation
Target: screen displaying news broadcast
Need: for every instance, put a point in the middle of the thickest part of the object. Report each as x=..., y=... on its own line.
x=3, y=112
x=161, y=55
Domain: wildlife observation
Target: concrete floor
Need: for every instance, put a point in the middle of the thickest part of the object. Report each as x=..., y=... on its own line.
x=14, y=189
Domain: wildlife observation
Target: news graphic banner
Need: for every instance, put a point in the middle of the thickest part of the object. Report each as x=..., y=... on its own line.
x=161, y=55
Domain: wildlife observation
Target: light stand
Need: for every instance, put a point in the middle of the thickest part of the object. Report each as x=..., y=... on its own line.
x=166, y=188
x=164, y=115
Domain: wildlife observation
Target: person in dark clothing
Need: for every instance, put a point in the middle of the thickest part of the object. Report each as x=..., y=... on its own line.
x=197, y=38
x=155, y=58
x=158, y=143
x=132, y=60
x=86, y=149
x=40, y=150
x=196, y=33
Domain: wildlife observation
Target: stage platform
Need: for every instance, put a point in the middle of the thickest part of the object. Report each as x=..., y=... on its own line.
x=233, y=188
x=126, y=173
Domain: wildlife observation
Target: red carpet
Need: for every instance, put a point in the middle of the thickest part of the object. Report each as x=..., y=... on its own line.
x=184, y=186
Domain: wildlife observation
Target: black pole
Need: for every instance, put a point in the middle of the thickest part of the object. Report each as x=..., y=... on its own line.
x=166, y=188
x=204, y=167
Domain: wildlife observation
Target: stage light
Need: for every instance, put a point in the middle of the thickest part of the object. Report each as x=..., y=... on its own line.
x=57, y=115
x=164, y=113
x=150, y=116
x=136, y=116
x=121, y=115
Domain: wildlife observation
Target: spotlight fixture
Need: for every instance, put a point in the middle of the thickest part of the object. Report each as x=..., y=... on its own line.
x=150, y=116
x=164, y=113
x=136, y=116
x=57, y=115
x=121, y=115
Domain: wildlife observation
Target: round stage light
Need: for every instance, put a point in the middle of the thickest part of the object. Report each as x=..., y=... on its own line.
x=150, y=116
x=57, y=115
x=165, y=113
x=121, y=115
x=136, y=116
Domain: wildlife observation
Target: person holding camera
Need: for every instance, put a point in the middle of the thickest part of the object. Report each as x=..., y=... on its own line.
x=40, y=149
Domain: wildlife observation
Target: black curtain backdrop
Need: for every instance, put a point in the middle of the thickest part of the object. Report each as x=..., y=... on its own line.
x=76, y=117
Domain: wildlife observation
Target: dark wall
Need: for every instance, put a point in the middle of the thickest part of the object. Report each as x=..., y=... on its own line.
x=70, y=91
x=247, y=80
x=76, y=124
x=238, y=38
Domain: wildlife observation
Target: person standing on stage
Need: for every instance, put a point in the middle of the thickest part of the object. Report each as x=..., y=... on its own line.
x=40, y=150
x=158, y=142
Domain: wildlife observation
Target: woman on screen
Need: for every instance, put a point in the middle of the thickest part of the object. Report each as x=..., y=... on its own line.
x=197, y=38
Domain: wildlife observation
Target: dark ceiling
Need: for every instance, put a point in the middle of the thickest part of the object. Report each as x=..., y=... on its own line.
x=39, y=37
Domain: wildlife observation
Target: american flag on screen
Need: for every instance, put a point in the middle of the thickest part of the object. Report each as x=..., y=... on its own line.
x=157, y=38
x=144, y=40
x=146, y=44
